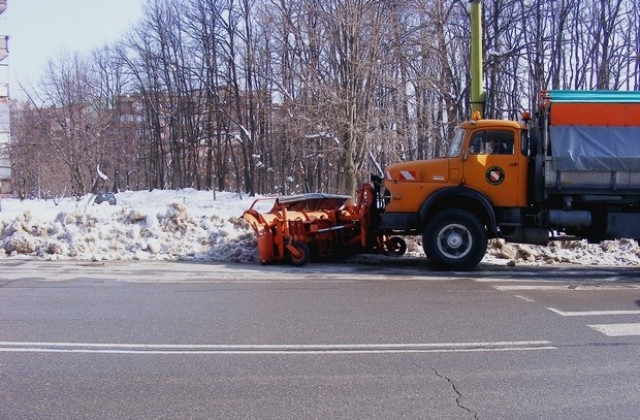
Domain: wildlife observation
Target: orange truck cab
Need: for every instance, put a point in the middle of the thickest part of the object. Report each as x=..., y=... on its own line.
x=574, y=172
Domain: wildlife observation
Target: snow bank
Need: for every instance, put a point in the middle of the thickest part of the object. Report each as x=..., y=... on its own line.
x=190, y=224
x=156, y=225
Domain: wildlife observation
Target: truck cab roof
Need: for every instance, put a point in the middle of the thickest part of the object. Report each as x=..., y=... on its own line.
x=492, y=124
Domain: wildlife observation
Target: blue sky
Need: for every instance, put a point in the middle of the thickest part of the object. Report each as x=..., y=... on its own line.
x=43, y=29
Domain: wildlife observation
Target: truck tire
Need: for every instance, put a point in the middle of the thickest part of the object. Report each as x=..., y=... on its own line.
x=455, y=239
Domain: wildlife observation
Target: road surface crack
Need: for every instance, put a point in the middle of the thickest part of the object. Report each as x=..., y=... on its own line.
x=459, y=395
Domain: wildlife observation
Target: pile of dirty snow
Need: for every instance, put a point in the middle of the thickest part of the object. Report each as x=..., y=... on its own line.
x=143, y=225
x=190, y=224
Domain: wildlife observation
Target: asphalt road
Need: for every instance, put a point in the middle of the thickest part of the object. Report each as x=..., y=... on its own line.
x=381, y=339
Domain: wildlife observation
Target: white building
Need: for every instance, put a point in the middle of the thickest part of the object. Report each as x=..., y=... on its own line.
x=5, y=128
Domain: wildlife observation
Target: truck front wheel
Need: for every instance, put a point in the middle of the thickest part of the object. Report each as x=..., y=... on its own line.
x=455, y=239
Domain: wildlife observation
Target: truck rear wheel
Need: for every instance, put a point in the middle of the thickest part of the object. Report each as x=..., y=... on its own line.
x=455, y=239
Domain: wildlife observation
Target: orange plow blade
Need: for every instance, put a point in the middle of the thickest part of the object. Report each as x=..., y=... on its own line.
x=298, y=228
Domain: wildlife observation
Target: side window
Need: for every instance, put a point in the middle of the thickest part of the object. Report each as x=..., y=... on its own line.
x=526, y=146
x=476, y=146
x=491, y=142
x=499, y=142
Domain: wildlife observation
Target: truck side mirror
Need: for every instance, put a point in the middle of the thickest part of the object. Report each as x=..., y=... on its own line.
x=533, y=142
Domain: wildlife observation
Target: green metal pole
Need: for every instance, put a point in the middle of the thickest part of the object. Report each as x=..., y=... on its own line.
x=477, y=77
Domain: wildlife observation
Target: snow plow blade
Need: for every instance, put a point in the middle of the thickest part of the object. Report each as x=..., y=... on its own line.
x=319, y=226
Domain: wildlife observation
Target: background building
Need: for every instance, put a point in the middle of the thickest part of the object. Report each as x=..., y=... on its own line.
x=5, y=129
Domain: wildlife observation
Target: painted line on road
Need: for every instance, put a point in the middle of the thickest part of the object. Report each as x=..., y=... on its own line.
x=268, y=352
x=617, y=330
x=568, y=287
x=594, y=313
x=257, y=349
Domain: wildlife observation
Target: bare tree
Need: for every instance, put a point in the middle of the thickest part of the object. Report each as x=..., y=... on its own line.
x=290, y=96
x=72, y=122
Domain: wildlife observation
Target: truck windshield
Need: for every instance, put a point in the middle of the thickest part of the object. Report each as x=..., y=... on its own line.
x=456, y=142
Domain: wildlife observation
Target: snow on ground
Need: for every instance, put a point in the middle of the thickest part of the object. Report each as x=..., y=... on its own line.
x=190, y=224
x=143, y=225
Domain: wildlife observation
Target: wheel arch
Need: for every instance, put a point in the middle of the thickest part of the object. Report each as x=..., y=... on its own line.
x=460, y=198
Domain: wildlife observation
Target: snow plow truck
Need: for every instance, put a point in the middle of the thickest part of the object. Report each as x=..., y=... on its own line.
x=574, y=173
x=571, y=172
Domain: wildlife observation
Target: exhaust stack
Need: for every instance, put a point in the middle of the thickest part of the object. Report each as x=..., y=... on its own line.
x=477, y=77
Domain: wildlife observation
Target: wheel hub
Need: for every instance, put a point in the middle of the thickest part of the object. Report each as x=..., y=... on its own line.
x=454, y=241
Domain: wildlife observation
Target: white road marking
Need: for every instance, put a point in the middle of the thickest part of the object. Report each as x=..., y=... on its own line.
x=510, y=280
x=256, y=349
x=526, y=299
x=617, y=330
x=594, y=313
x=567, y=287
x=268, y=352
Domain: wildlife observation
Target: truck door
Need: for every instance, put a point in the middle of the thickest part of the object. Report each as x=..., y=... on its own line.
x=493, y=166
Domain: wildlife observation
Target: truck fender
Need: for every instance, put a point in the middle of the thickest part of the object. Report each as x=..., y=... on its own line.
x=463, y=198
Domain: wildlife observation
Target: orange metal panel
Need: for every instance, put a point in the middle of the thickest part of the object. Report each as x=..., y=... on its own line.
x=595, y=114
